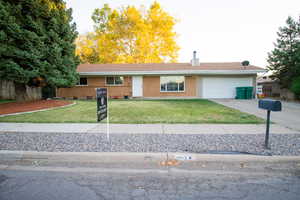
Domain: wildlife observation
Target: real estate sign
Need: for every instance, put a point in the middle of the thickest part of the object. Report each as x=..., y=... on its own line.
x=101, y=96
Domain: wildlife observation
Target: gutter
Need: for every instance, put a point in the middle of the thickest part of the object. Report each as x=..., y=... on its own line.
x=177, y=72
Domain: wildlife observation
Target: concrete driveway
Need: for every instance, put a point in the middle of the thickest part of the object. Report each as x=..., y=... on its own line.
x=289, y=116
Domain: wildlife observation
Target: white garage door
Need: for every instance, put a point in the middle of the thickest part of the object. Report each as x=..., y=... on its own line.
x=216, y=87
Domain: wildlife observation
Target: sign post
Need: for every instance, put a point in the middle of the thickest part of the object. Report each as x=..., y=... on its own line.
x=102, y=107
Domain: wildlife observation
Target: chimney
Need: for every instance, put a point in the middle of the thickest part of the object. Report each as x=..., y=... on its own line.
x=195, y=60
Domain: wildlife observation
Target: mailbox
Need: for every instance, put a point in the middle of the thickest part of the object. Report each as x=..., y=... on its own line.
x=269, y=104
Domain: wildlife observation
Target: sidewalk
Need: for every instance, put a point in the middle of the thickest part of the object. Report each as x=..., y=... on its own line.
x=144, y=128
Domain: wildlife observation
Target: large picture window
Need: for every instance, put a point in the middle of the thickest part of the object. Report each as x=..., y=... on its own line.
x=172, y=83
x=114, y=80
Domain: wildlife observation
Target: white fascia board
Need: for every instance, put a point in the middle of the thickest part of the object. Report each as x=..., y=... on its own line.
x=177, y=72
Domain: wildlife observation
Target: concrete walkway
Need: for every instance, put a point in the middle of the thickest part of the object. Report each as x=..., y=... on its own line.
x=289, y=116
x=143, y=128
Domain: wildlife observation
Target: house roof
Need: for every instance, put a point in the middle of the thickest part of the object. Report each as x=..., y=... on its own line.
x=167, y=68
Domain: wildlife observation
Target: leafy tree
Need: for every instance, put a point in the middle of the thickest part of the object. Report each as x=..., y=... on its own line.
x=37, y=44
x=130, y=35
x=284, y=60
x=86, y=48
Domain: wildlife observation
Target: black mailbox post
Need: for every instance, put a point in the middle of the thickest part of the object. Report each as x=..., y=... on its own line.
x=269, y=105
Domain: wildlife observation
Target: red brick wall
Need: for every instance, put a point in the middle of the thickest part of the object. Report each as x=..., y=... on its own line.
x=95, y=82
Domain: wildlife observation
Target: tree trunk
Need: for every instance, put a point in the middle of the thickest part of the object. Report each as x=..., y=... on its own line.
x=21, y=93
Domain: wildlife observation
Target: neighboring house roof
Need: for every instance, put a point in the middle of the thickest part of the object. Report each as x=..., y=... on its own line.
x=265, y=79
x=167, y=68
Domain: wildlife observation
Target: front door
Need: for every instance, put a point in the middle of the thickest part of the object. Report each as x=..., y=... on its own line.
x=137, y=86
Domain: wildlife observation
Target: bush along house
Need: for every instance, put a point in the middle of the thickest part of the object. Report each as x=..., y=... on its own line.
x=163, y=80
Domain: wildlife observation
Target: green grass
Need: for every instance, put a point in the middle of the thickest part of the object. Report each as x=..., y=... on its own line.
x=142, y=111
x=6, y=101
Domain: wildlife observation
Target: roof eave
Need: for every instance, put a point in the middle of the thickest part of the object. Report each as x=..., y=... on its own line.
x=177, y=72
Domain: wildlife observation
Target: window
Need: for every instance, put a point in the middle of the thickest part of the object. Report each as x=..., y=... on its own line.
x=114, y=80
x=172, y=83
x=82, y=81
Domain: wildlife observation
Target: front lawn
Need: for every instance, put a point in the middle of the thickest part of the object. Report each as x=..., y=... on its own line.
x=142, y=111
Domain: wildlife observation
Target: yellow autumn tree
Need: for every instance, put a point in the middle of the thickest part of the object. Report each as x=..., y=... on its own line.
x=86, y=48
x=129, y=35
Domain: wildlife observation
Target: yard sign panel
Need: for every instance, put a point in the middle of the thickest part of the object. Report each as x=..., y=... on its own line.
x=101, y=95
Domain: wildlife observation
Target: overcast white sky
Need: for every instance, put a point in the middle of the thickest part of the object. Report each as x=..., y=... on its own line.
x=220, y=30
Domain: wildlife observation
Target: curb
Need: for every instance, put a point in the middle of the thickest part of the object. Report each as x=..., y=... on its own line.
x=128, y=156
x=145, y=163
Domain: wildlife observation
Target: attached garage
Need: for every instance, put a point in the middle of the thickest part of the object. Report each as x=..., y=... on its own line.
x=222, y=87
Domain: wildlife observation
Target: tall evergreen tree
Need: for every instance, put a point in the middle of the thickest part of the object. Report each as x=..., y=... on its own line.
x=284, y=60
x=37, y=44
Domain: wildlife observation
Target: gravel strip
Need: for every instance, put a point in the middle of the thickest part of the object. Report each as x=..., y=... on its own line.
x=281, y=144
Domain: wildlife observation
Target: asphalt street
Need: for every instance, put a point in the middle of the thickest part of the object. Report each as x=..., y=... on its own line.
x=44, y=185
x=130, y=176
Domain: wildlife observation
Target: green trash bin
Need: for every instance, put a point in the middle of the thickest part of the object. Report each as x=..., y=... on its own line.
x=249, y=92
x=240, y=93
